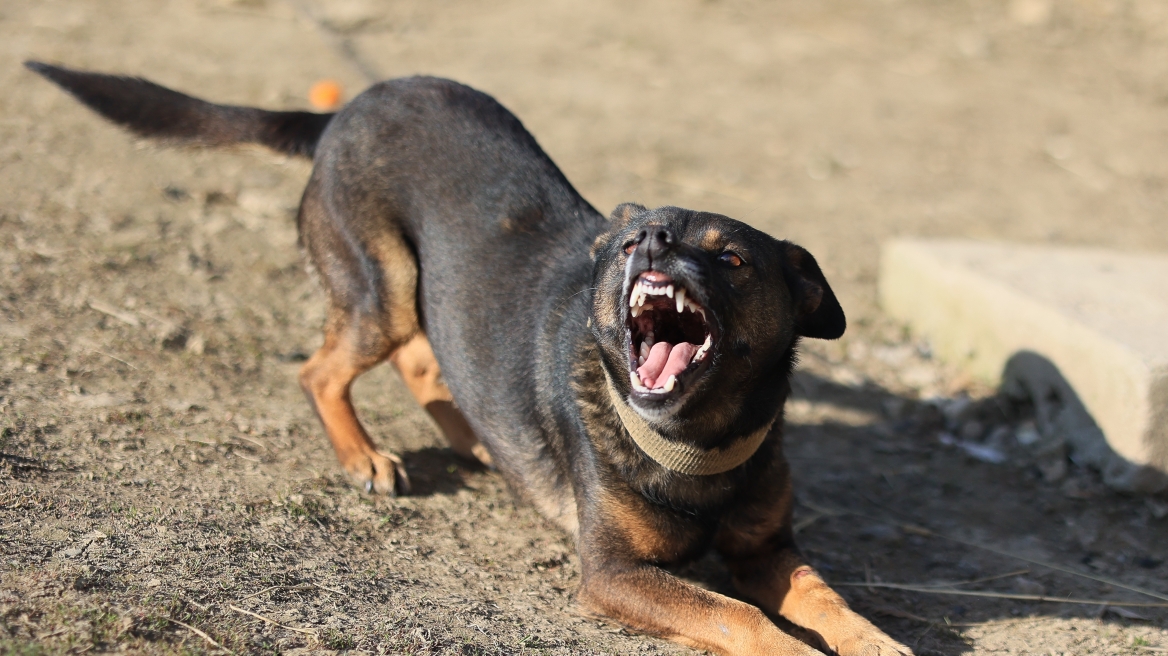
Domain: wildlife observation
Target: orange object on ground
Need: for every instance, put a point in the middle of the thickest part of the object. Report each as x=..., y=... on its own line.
x=325, y=95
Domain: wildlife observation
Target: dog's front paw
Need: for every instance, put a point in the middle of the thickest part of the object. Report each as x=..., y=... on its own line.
x=872, y=644
x=375, y=471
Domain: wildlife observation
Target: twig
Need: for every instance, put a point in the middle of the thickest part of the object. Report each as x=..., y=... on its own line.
x=1059, y=568
x=806, y=521
x=277, y=587
x=998, y=595
x=306, y=586
x=255, y=442
x=271, y=621
x=921, y=530
x=949, y=584
x=329, y=589
x=113, y=357
x=904, y=614
x=105, y=308
x=199, y=633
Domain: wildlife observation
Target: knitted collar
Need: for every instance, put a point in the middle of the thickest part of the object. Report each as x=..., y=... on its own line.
x=681, y=457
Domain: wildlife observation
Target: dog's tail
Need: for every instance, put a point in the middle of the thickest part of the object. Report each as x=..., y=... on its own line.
x=153, y=111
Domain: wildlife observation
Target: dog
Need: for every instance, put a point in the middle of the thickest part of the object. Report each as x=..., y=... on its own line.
x=626, y=375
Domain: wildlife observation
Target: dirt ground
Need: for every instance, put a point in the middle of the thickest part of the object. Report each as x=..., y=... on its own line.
x=164, y=487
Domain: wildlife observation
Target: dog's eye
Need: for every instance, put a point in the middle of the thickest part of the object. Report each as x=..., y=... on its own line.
x=630, y=246
x=730, y=258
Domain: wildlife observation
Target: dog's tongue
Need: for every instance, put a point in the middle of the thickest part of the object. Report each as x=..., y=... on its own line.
x=665, y=360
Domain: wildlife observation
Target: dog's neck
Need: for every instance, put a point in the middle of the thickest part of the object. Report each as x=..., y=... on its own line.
x=679, y=456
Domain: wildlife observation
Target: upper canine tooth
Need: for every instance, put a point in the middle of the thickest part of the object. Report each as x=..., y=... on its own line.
x=680, y=299
x=669, y=291
x=635, y=311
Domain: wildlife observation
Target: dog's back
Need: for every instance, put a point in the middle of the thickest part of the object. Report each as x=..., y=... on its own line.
x=430, y=209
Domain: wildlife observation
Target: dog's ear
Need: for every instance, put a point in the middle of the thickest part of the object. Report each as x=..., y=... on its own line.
x=622, y=213
x=817, y=312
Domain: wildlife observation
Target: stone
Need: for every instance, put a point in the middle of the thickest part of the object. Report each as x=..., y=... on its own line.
x=1081, y=332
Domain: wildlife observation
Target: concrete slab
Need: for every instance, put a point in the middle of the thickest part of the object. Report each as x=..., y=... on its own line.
x=1098, y=318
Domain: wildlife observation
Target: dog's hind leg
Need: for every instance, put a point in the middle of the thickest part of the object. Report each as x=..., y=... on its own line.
x=370, y=276
x=417, y=365
x=326, y=379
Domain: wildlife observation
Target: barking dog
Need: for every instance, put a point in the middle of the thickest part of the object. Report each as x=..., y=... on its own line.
x=626, y=375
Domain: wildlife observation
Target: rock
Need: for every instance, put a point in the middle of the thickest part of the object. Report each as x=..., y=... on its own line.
x=1027, y=434
x=972, y=431
x=1083, y=333
x=1053, y=470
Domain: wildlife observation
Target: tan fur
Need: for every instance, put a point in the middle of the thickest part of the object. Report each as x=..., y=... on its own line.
x=712, y=240
x=652, y=601
x=419, y=369
x=355, y=343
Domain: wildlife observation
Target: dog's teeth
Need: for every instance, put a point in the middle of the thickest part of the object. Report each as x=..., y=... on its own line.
x=640, y=361
x=645, y=351
x=670, y=383
x=701, y=353
x=669, y=291
x=680, y=299
x=649, y=342
x=636, y=380
x=635, y=311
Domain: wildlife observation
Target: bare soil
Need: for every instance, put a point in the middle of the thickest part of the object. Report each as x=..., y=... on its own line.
x=164, y=487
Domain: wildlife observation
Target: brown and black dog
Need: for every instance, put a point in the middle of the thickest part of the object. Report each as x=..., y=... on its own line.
x=626, y=375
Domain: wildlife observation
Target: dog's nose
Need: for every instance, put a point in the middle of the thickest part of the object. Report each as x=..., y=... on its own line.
x=655, y=240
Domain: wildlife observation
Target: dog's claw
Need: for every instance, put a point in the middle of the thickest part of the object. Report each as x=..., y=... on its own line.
x=879, y=646
x=379, y=473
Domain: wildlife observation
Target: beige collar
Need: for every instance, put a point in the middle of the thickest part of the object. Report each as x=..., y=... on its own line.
x=681, y=457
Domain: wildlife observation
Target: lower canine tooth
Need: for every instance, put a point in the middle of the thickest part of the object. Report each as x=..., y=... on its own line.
x=670, y=383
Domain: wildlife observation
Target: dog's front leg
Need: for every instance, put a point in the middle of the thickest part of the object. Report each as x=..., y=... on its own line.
x=782, y=581
x=649, y=600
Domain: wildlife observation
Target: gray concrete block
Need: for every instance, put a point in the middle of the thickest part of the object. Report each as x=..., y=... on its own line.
x=1098, y=318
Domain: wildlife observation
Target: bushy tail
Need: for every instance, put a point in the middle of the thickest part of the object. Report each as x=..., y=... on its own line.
x=153, y=111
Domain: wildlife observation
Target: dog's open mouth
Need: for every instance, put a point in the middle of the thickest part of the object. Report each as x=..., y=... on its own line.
x=669, y=336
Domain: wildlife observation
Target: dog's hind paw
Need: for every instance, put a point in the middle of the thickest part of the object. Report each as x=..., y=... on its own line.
x=379, y=472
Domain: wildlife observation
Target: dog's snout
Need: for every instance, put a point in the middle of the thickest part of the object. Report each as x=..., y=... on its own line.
x=655, y=240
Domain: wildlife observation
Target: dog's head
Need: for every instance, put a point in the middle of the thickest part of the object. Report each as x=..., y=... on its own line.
x=697, y=314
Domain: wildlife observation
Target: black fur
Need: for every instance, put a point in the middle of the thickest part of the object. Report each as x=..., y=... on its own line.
x=523, y=292
x=149, y=110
